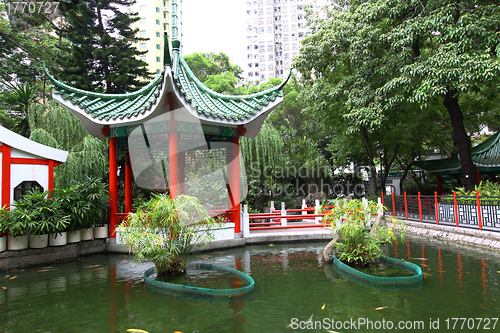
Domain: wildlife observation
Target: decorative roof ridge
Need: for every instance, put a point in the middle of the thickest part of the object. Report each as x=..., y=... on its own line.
x=104, y=96
x=488, y=144
x=179, y=61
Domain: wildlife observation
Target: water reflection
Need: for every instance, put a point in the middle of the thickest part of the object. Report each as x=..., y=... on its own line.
x=291, y=281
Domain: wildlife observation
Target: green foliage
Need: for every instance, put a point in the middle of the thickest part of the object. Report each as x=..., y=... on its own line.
x=101, y=56
x=485, y=189
x=87, y=155
x=81, y=205
x=351, y=220
x=40, y=213
x=166, y=231
x=206, y=65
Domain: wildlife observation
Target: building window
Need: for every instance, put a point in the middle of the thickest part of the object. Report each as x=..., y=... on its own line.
x=157, y=9
x=157, y=34
x=143, y=58
x=250, y=65
x=143, y=20
x=158, y=46
x=143, y=45
x=250, y=74
x=158, y=22
x=164, y=27
x=143, y=32
x=175, y=32
x=158, y=59
x=158, y=71
x=23, y=188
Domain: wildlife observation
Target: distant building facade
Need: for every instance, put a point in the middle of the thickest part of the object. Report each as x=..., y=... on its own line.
x=275, y=29
x=157, y=17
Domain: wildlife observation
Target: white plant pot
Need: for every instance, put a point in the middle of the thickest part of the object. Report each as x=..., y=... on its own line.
x=87, y=234
x=74, y=236
x=3, y=243
x=101, y=232
x=38, y=241
x=17, y=243
x=59, y=239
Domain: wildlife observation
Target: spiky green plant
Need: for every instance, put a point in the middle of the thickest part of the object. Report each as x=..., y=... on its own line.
x=351, y=220
x=166, y=231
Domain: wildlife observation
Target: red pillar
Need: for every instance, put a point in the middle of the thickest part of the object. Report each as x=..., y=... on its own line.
x=113, y=187
x=128, y=185
x=440, y=187
x=6, y=175
x=51, y=175
x=478, y=177
x=182, y=173
x=234, y=183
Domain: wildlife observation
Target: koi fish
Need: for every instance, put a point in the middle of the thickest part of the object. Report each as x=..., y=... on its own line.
x=482, y=307
x=44, y=270
x=423, y=259
x=98, y=269
x=323, y=307
x=94, y=266
x=329, y=331
x=382, y=307
x=12, y=278
x=136, y=330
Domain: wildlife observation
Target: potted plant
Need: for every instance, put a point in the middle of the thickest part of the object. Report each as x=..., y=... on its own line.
x=44, y=215
x=18, y=229
x=166, y=231
x=74, y=205
x=96, y=193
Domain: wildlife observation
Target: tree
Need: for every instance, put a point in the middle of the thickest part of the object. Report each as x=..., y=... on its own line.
x=447, y=49
x=102, y=57
x=87, y=155
x=375, y=59
x=204, y=65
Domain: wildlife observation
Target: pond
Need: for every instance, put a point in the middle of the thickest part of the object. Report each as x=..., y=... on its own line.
x=293, y=290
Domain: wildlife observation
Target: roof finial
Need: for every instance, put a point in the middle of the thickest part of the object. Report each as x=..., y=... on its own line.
x=167, y=61
x=176, y=45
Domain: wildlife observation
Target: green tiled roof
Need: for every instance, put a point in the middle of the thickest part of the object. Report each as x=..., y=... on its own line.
x=122, y=107
x=485, y=154
x=110, y=106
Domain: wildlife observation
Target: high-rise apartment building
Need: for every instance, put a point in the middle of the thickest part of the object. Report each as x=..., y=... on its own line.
x=157, y=17
x=274, y=31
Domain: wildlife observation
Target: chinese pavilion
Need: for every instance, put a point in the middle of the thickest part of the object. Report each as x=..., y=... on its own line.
x=486, y=157
x=220, y=118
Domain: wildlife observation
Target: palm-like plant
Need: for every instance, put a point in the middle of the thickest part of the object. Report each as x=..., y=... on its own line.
x=167, y=231
x=351, y=220
x=20, y=98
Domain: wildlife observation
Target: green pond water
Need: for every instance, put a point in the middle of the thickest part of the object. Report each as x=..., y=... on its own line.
x=106, y=293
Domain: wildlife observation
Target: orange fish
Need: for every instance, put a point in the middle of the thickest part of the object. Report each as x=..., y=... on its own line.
x=12, y=278
x=482, y=307
x=382, y=307
x=98, y=269
x=93, y=266
x=205, y=258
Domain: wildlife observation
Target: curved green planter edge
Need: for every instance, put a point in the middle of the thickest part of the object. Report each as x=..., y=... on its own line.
x=183, y=289
x=402, y=280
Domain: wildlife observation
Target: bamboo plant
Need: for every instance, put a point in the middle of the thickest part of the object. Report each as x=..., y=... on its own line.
x=166, y=231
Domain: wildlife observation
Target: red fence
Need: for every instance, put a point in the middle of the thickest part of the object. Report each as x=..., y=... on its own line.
x=465, y=211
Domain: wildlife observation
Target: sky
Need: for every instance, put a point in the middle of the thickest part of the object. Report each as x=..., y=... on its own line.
x=215, y=26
